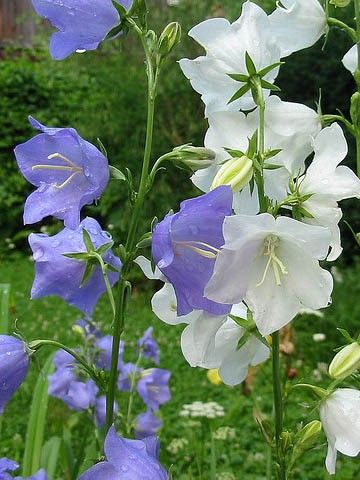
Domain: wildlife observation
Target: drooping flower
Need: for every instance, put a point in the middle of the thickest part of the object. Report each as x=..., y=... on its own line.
x=184, y=247
x=68, y=171
x=340, y=417
x=147, y=425
x=297, y=24
x=226, y=45
x=100, y=410
x=14, y=365
x=128, y=460
x=327, y=183
x=62, y=276
x=81, y=25
x=153, y=387
x=271, y=264
x=104, y=346
x=129, y=374
x=149, y=346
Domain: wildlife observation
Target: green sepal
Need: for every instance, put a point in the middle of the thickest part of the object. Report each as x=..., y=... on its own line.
x=242, y=341
x=268, y=69
x=153, y=224
x=272, y=153
x=114, y=32
x=102, y=147
x=346, y=335
x=90, y=247
x=252, y=185
x=78, y=256
x=87, y=274
x=253, y=144
x=239, y=77
x=250, y=65
x=145, y=241
x=270, y=86
x=245, y=324
x=104, y=248
x=304, y=213
x=234, y=153
x=117, y=174
x=272, y=166
x=240, y=93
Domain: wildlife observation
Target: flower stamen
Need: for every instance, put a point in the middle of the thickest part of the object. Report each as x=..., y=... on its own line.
x=207, y=252
x=70, y=167
x=279, y=269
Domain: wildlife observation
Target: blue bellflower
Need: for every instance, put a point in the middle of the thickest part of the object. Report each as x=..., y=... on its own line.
x=62, y=276
x=153, y=387
x=185, y=245
x=128, y=460
x=7, y=466
x=149, y=346
x=147, y=424
x=68, y=171
x=14, y=365
x=81, y=24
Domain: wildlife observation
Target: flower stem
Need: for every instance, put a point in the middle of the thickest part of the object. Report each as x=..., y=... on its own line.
x=278, y=404
x=259, y=175
x=119, y=318
x=134, y=377
x=357, y=79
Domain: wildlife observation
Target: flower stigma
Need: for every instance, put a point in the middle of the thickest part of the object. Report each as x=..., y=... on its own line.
x=201, y=248
x=70, y=167
x=271, y=243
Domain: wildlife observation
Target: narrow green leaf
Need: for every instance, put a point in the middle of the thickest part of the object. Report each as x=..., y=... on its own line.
x=4, y=308
x=122, y=10
x=241, y=92
x=241, y=322
x=250, y=65
x=272, y=166
x=253, y=144
x=268, y=69
x=239, y=77
x=346, y=335
x=68, y=452
x=117, y=174
x=87, y=241
x=273, y=153
x=37, y=422
x=304, y=213
x=102, y=148
x=104, y=248
x=50, y=456
x=270, y=86
x=234, y=153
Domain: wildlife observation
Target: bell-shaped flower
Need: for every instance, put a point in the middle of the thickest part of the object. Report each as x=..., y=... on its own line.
x=271, y=264
x=226, y=46
x=59, y=275
x=297, y=24
x=340, y=417
x=350, y=60
x=81, y=25
x=6, y=466
x=14, y=365
x=289, y=127
x=129, y=374
x=68, y=171
x=213, y=342
x=153, y=387
x=149, y=346
x=327, y=183
x=184, y=247
x=128, y=460
x=147, y=425
x=104, y=347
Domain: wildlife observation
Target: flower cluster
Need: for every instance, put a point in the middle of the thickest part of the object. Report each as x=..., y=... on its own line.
x=200, y=409
x=67, y=382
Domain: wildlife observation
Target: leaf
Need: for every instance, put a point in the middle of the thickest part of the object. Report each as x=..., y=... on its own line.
x=87, y=241
x=234, y=153
x=240, y=93
x=346, y=335
x=239, y=77
x=102, y=148
x=50, y=456
x=117, y=174
x=273, y=153
x=253, y=145
x=272, y=166
x=268, y=69
x=250, y=65
x=4, y=308
x=270, y=86
x=37, y=422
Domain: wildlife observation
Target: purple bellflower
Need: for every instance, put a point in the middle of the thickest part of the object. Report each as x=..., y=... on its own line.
x=126, y=377
x=68, y=171
x=149, y=346
x=153, y=387
x=81, y=24
x=14, y=365
x=185, y=245
x=7, y=466
x=147, y=424
x=128, y=460
x=62, y=276
x=104, y=346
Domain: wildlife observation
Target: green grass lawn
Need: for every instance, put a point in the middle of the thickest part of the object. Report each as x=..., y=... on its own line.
x=242, y=456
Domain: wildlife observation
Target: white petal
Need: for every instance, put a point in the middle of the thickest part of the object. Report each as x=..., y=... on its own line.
x=203, y=179
x=164, y=305
x=330, y=461
x=198, y=340
x=207, y=32
x=245, y=203
x=299, y=25
x=146, y=267
x=330, y=148
x=350, y=59
x=228, y=130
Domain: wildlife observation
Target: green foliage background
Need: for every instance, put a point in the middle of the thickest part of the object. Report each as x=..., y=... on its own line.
x=102, y=94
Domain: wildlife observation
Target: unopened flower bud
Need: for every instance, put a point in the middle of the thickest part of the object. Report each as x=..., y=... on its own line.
x=307, y=437
x=169, y=38
x=340, y=3
x=345, y=362
x=195, y=158
x=355, y=109
x=236, y=172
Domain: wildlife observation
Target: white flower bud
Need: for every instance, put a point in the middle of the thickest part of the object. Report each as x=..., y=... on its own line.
x=345, y=362
x=236, y=172
x=195, y=158
x=340, y=3
x=169, y=38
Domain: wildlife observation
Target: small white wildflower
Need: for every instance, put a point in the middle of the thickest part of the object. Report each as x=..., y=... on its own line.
x=225, y=433
x=319, y=337
x=202, y=409
x=176, y=445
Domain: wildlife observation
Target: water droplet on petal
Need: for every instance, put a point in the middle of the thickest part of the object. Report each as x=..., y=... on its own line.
x=123, y=468
x=38, y=254
x=55, y=243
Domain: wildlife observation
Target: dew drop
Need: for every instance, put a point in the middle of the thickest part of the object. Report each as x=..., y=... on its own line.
x=38, y=254
x=123, y=468
x=55, y=243
x=8, y=354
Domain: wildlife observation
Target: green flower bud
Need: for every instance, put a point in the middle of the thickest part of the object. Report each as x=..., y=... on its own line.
x=194, y=158
x=307, y=437
x=236, y=172
x=355, y=109
x=345, y=362
x=340, y=3
x=169, y=38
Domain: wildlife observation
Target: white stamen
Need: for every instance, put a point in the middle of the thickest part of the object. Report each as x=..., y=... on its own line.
x=70, y=167
x=271, y=243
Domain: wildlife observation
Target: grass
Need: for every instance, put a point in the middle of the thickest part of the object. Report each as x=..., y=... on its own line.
x=243, y=456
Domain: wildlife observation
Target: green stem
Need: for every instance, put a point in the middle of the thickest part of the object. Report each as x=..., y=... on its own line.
x=334, y=22
x=278, y=404
x=268, y=462
x=259, y=175
x=131, y=398
x=357, y=79
x=213, y=461
x=119, y=318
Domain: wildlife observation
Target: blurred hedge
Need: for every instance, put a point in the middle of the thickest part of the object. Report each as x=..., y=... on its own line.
x=102, y=94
